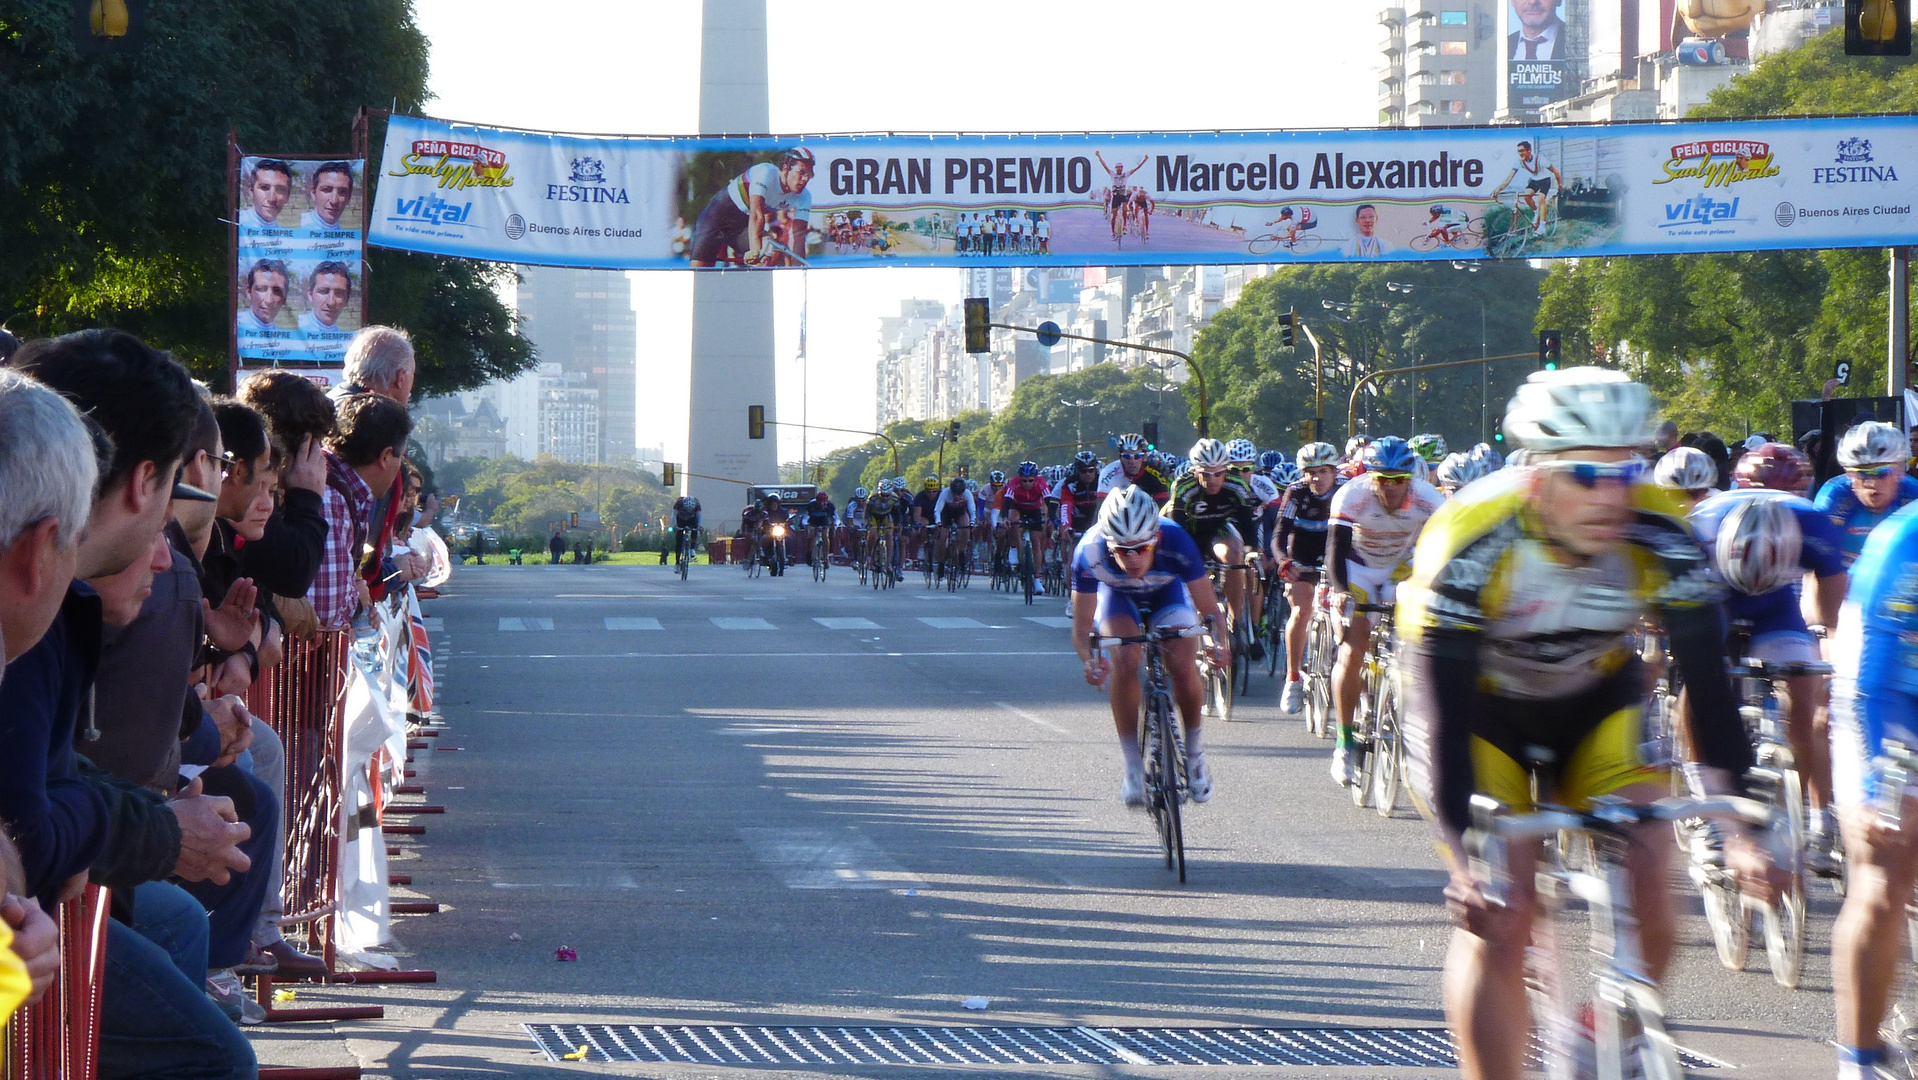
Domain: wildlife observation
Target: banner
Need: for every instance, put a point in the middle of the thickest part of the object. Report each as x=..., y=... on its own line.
x=1542, y=61
x=1107, y=200
x=300, y=276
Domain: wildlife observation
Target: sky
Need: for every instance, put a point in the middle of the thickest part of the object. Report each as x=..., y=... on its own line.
x=628, y=67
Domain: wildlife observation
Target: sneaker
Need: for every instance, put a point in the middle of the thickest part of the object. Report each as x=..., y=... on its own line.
x=224, y=990
x=1293, y=700
x=1708, y=846
x=1345, y=766
x=1198, y=779
x=1822, y=857
x=1132, y=787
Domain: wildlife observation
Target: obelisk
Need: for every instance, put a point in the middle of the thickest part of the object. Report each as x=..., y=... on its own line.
x=732, y=309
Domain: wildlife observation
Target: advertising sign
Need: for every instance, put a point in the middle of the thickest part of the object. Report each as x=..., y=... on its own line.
x=300, y=275
x=1540, y=67
x=1146, y=199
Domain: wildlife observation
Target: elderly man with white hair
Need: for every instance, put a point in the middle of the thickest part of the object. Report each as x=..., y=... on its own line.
x=379, y=360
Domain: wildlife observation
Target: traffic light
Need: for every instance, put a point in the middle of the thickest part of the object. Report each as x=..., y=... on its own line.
x=1548, y=341
x=978, y=332
x=952, y=431
x=575, y=522
x=755, y=421
x=1877, y=27
x=1309, y=430
x=1151, y=431
x=1288, y=320
x=667, y=474
x=1498, y=436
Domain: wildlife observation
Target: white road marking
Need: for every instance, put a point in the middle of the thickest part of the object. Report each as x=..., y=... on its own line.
x=731, y=654
x=525, y=624
x=1057, y=622
x=731, y=623
x=434, y=622
x=961, y=623
x=820, y=859
x=619, y=623
x=848, y=624
x=1028, y=717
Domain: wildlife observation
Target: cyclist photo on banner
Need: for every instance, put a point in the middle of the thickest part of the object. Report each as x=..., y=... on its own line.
x=758, y=216
x=1534, y=184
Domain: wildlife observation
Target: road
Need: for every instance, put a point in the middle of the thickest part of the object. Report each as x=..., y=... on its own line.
x=802, y=804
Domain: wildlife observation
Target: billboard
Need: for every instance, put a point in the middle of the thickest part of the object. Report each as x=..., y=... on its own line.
x=1540, y=62
x=299, y=272
x=999, y=202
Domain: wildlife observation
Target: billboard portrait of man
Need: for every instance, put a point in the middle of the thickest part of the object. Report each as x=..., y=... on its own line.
x=269, y=184
x=1540, y=34
x=329, y=187
x=264, y=290
x=1367, y=245
x=328, y=287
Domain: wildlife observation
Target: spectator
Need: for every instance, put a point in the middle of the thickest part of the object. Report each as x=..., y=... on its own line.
x=285, y=560
x=1665, y=437
x=379, y=360
x=29, y=939
x=362, y=456
x=1714, y=448
x=556, y=547
x=72, y=821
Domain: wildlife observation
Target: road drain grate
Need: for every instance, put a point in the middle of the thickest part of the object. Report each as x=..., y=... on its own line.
x=722, y=1045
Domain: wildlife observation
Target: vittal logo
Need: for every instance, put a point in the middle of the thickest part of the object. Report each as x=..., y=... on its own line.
x=1720, y=162
x=433, y=210
x=456, y=165
x=1854, y=166
x=588, y=185
x=1699, y=210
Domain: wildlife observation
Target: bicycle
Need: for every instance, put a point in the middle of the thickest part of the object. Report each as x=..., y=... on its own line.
x=1239, y=633
x=1896, y=765
x=1377, y=737
x=858, y=550
x=1521, y=229
x=818, y=551
x=1321, y=648
x=1302, y=244
x=685, y=551
x=753, y=562
x=1160, y=743
x=1027, y=571
x=1624, y=997
x=1466, y=236
x=954, y=565
x=1277, y=609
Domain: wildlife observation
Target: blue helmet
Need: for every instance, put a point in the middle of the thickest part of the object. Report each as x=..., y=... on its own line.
x=1390, y=454
x=1028, y=468
x=1285, y=474
x=1270, y=460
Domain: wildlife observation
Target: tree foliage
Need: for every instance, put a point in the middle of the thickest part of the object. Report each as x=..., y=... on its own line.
x=1729, y=340
x=524, y=498
x=113, y=173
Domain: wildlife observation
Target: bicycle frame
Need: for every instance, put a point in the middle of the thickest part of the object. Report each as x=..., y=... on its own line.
x=1160, y=745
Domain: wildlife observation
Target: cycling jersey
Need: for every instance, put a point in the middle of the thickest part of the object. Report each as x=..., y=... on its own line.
x=1513, y=653
x=856, y=513
x=925, y=503
x=763, y=180
x=820, y=515
x=1080, y=503
x=989, y=499
x=1382, y=538
x=1206, y=514
x=949, y=508
x=1448, y=216
x=1028, y=494
x=1838, y=500
x=1821, y=553
x=1874, y=687
x=880, y=509
x=1304, y=520
x=685, y=513
x=1159, y=598
x=1113, y=477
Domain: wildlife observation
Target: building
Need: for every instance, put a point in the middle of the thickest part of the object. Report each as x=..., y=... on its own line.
x=1441, y=63
x=459, y=426
x=570, y=414
x=582, y=323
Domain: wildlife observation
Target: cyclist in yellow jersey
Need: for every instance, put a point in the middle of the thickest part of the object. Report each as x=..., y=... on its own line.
x=1518, y=624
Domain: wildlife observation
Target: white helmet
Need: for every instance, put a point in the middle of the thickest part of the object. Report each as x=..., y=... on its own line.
x=1758, y=546
x=1686, y=468
x=1313, y=455
x=1579, y=407
x=1209, y=454
x=1129, y=516
x=1458, y=470
x=1487, y=457
x=1519, y=458
x=1872, y=443
x=1241, y=450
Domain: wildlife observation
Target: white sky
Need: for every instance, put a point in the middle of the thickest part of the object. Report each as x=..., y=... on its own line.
x=627, y=67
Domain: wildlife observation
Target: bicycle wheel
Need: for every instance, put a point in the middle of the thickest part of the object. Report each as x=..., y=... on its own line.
x=1388, y=755
x=1025, y=567
x=1155, y=782
x=1264, y=245
x=1364, y=731
x=1783, y=920
x=1172, y=768
x=1471, y=237
x=1307, y=244
x=1426, y=242
x=1729, y=921
x=1242, y=658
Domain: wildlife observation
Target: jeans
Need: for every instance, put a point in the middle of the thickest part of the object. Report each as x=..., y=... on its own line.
x=269, y=764
x=233, y=909
x=156, y=1022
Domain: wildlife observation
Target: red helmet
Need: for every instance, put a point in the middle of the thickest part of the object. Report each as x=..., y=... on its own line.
x=1775, y=466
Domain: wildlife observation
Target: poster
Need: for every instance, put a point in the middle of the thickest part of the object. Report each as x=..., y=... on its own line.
x=1544, y=61
x=1523, y=191
x=300, y=275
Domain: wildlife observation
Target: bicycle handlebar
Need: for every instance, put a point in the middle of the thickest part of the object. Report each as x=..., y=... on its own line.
x=1609, y=816
x=1768, y=669
x=1149, y=636
x=1374, y=609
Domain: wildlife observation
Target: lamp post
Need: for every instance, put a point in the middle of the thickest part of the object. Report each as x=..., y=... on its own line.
x=1484, y=376
x=1078, y=425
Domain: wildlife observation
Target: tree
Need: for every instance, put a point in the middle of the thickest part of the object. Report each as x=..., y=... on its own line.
x=113, y=170
x=1729, y=340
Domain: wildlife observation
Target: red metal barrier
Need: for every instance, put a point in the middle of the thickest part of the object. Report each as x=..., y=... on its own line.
x=59, y=1038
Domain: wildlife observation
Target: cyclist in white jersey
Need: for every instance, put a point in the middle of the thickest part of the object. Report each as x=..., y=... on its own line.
x=1293, y=220
x=745, y=213
x=1043, y=229
x=1539, y=180
x=1447, y=222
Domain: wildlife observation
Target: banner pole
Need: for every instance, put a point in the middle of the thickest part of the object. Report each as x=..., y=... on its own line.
x=233, y=261
x=1897, y=343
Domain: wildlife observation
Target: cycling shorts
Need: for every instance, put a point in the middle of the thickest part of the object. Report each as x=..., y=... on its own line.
x=1861, y=725
x=1785, y=647
x=1169, y=607
x=720, y=226
x=1581, y=747
x=1369, y=585
x=1207, y=533
x=1308, y=575
x=954, y=515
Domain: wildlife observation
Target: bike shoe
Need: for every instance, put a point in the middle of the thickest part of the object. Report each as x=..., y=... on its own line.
x=1293, y=700
x=1822, y=857
x=1256, y=651
x=1345, y=766
x=1198, y=779
x=1132, y=787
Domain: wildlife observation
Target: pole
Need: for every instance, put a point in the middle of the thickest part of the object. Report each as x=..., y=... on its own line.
x=1318, y=386
x=805, y=377
x=849, y=431
x=1205, y=407
x=1484, y=382
x=1352, y=407
x=1898, y=342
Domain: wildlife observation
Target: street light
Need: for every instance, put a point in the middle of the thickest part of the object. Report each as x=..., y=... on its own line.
x=1484, y=376
x=1078, y=426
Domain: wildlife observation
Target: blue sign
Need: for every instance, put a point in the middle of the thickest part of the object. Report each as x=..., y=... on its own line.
x=1048, y=333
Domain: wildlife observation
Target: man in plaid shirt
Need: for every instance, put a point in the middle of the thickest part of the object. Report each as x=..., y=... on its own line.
x=363, y=455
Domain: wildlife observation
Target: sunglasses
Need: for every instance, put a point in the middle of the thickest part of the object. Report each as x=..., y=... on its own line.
x=1135, y=549
x=1393, y=477
x=1590, y=474
x=1872, y=472
x=1213, y=474
x=1132, y=457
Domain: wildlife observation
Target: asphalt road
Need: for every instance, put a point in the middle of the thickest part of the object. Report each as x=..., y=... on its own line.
x=781, y=802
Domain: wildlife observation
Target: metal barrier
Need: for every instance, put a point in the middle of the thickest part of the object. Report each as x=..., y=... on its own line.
x=59, y=1038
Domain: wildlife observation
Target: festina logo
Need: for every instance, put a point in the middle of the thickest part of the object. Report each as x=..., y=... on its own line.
x=1700, y=210
x=585, y=193
x=1854, y=174
x=435, y=209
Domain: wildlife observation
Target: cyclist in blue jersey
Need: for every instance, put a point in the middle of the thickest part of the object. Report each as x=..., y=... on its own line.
x=1873, y=486
x=1874, y=701
x=1761, y=552
x=1135, y=571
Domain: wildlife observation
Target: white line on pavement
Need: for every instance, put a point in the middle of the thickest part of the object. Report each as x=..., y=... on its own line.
x=759, y=656
x=1026, y=716
x=614, y=622
x=960, y=623
x=1057, y=622
x=848, y=624
x=525, y=624
x=735, y=623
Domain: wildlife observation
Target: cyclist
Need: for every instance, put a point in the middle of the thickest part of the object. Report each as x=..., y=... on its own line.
x=1116, y=191
x=1376, y=519
x=1023, y=504
x=1292, y=221
x=819, y=516
x=882, y=510
x=1447, y=223
x=772, y=512
x=1299, y=545
x=1488, y=458
x=1429, y=447
x=1762, y=552
x=1518, y=625
x=1689, y=471
x=744, y=214
x=1456, y=471
x=1134, y=572
x=1078, y=495
x=922, y=513
x=1354, y=462
x=1244, y=458
x=1130, y=467
x=952, y=507
x=1042, y=228
x=685, y=517
x=1219, y=510
x=1142, y=207
x=1873, y=486
x=1540, y=181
